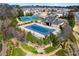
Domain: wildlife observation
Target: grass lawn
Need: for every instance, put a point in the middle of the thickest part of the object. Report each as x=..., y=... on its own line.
x=17, y=52
x=29, y=48
x=61, y=52
x=49, y=49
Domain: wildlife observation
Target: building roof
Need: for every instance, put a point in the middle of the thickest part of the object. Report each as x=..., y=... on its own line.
x=54, y=20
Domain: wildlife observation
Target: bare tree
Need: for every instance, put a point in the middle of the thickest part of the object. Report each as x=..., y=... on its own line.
x=6, y=14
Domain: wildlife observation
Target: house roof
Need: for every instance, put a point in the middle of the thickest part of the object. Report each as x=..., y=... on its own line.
x=54, y=20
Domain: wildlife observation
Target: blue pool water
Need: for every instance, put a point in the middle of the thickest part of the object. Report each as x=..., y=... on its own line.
x=40, y=29
x=28, y=18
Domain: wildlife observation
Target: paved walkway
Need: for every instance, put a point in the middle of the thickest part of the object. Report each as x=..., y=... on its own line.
x=28, y=53
x=48, y=54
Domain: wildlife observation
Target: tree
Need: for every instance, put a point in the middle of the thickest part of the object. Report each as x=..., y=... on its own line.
x=53, y=39
x=19, y=12
x=71, y=19
x=29, y=14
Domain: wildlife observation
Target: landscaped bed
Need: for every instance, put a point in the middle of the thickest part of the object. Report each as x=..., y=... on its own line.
x=14, y=50
x=17, y=52
x=29, y=48
x=33, y=39
x=49, y=49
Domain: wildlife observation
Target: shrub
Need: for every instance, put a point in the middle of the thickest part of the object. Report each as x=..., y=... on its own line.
x=34, y=39
x=62, y=52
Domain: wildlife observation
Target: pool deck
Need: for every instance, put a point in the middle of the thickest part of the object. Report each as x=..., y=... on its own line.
x=57, y=30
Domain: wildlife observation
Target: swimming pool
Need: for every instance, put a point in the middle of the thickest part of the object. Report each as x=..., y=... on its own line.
x=30, y=18
x=40, y=29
